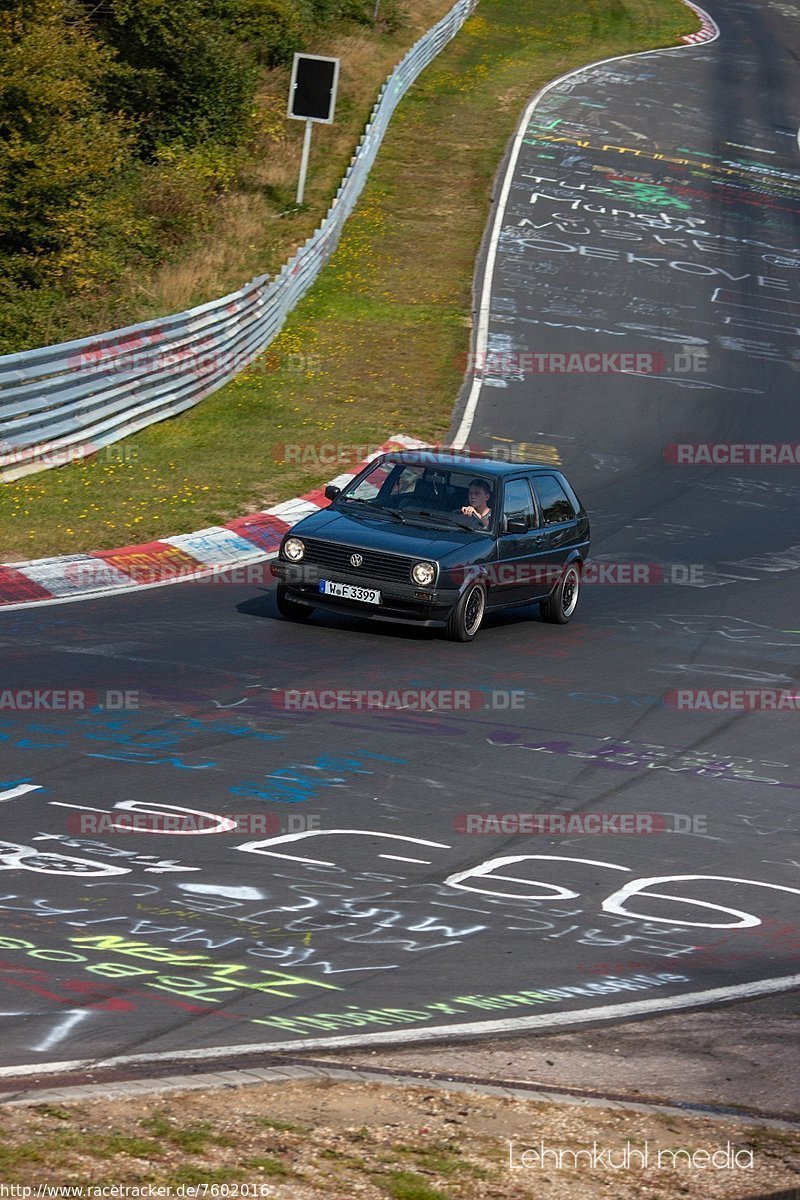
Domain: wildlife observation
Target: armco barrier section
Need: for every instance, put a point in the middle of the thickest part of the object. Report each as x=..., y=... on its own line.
x=64, y=402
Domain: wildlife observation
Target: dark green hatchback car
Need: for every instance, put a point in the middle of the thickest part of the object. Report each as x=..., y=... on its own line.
x=438, y=539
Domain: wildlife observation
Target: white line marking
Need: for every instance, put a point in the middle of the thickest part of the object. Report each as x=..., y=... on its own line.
x=482, y=336
x=631, y=1008
x=230, y=893
x=71, y=1017
x=758, y=149
x=20, y=791
x=399, y=858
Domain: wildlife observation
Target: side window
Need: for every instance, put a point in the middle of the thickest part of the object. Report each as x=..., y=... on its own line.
x=556, y=506
x=518, y=503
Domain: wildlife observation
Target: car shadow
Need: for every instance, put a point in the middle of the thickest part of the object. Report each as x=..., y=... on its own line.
x=264, y=606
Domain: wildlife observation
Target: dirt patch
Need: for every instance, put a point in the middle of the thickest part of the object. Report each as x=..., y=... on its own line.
x=327, y=1139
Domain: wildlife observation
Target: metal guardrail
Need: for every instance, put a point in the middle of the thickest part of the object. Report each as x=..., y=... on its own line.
x=64, y=402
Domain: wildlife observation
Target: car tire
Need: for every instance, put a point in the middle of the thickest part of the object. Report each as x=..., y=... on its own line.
x=465, y=619
x=290, y=608
x=560, y=605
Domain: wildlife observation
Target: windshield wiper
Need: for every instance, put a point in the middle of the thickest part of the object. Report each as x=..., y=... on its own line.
x=380, y=508
x=444, y=517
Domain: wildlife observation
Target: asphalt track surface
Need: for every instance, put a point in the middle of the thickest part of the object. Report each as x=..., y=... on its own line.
x=653, y=210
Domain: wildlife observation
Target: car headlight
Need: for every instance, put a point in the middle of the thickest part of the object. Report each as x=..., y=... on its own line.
x=423, y=573
x=294, y=549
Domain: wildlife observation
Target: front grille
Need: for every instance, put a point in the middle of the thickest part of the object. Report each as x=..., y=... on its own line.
x=376, y=565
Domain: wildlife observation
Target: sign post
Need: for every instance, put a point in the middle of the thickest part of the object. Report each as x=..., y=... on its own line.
x=312, y=97
x=301, y=183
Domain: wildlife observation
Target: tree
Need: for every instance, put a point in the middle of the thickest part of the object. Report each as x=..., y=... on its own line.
x=59, y=147
x=179, y=73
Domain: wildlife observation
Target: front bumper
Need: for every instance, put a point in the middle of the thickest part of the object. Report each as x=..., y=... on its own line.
x=405, y=602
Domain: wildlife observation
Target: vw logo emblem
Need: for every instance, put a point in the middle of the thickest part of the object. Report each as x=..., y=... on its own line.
x=356, y=560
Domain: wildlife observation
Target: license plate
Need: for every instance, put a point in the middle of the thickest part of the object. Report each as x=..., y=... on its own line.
x=348, y=591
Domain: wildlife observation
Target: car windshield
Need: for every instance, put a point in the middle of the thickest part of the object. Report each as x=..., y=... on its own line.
x=425, y=493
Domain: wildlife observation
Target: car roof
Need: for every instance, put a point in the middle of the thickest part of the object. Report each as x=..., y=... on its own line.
x=477, y=463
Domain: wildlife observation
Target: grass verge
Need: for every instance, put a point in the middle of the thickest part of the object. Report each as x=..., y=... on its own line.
x=374, y=348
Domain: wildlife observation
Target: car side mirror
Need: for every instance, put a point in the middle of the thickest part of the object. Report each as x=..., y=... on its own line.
x=332, y=491
x=514, y=525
